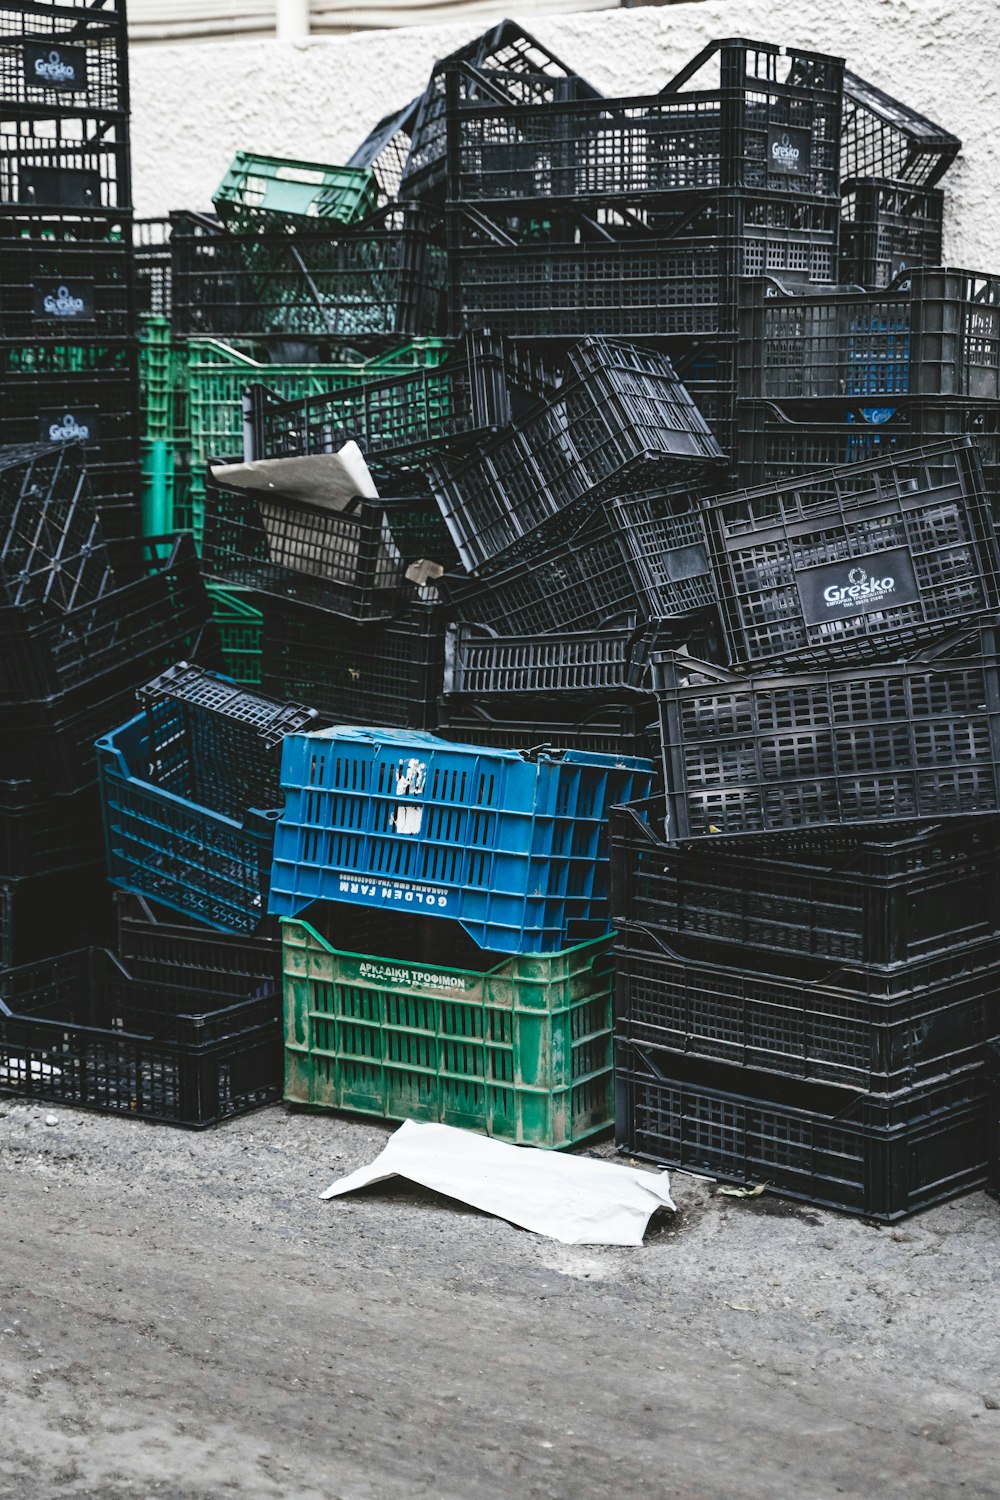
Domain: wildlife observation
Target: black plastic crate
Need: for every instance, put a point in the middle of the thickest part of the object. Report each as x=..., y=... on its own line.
x=504, y=61
x=993, y=1123
x=64, y=164
x=40, y=914
x=157, y=945
x=872, y=901
x=78, y=1029
x=479, y=662
x=647, y=553
x=882, y=1157
x=41, y=833
x=480, y=387
x=806, y=1028
x=742, y=115
x=856, y=562
x=599, y=725
x=887, y=226
x=415, y=522
x=113, y=640
x=620, y=422
x=935, y=332
x=357, y=672
x=358, y=287
x=883, y=138
x=631, y=270
x=873, y=742
x=63, y=58
x=66, y=279
x=342, y=561
x=152, y=260
x=386, y=149
x=52, y=553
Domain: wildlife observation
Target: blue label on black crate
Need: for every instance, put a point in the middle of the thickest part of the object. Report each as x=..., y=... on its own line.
x=59, y=67
x=789, y=150
x=56, y=424
x=389, y=892
x=857, y=586
x=69, y=301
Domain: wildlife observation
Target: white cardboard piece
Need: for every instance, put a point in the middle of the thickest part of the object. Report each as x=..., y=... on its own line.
x=577, y=1200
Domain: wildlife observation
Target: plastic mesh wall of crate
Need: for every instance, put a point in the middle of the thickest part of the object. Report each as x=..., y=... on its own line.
x=884, y=138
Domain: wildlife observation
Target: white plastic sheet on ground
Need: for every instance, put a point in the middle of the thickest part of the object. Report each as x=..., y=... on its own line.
x=575, y=1199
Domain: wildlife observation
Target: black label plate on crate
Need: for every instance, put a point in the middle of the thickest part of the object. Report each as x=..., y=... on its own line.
x=71, y=301
x=60, y=187
x=81, y=424
x=48, y=67
x=789, y=150
x=857, y=585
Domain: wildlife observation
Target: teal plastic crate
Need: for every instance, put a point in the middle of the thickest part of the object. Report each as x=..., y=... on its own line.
x=267, y=192
x=515, y=1047
x=240, y=624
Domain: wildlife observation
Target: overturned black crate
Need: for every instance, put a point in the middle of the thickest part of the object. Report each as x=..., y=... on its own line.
x=359, y=287
x=934, y=332
x=79, y=1029
x=343, y=561
x=621, y=421
x=52, y=551
x=872, y=742
x=935, y=1019
x=386, y=149
x=357, y=672
x=40, y=914
x=505, y=61
x=879, y=1156
x=887, y=226
x=869, y=901
x=883, y=138
x=600, y=726
x=66, y=279
x=741, y=115
x=630, y=270
x=856, y=562
x=647, y=553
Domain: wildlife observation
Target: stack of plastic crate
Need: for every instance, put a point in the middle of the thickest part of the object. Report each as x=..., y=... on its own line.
x=808, y=943
x=76, y=642
x=481, y=993
x=68, y=355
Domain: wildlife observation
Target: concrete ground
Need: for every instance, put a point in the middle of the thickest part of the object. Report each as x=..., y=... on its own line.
x=181, y=1317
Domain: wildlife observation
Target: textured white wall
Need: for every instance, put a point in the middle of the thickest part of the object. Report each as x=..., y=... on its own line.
x=195, y=104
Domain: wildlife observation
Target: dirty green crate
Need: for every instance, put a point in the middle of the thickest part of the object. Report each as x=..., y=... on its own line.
x=240, y=625
x=162, y=382
x=520, y=1048
x=260, y=192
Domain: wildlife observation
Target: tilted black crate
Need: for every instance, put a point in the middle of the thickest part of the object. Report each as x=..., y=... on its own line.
x=742, y=115
x=872, y=742
x=479, y=662
x=855, y=562
x=647, y=553
x=66, y=280
x=882, y=1157
x=621, y=421
x=52, y=552
x=875, y=900
x=935, y=332
x=387, y=672
x=505, y=61
x=159, y=945
x=628, y=270
x=342, y=561
x=67, y=59
x=358, y=287
x=478, y=388
x=935, y=1022
x=120, y=636
x=883, y=138
x=600, y=726
x=79, y=1029
x=887, y=226
x=386, y=149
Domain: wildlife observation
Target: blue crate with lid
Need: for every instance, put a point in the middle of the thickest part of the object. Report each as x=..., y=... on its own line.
x=189, y=791
x=512, y=846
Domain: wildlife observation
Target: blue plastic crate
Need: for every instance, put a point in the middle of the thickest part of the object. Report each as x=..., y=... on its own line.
x=189, y=799
x=513, y=847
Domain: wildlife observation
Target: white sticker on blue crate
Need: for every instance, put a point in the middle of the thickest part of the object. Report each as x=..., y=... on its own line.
x=396, y=890
x=411, y=779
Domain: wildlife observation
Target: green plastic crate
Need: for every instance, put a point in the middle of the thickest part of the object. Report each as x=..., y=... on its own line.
x=162, y=382
x=240, y=624
x=216, y=376
x=520, y=1048
x=260, y=192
